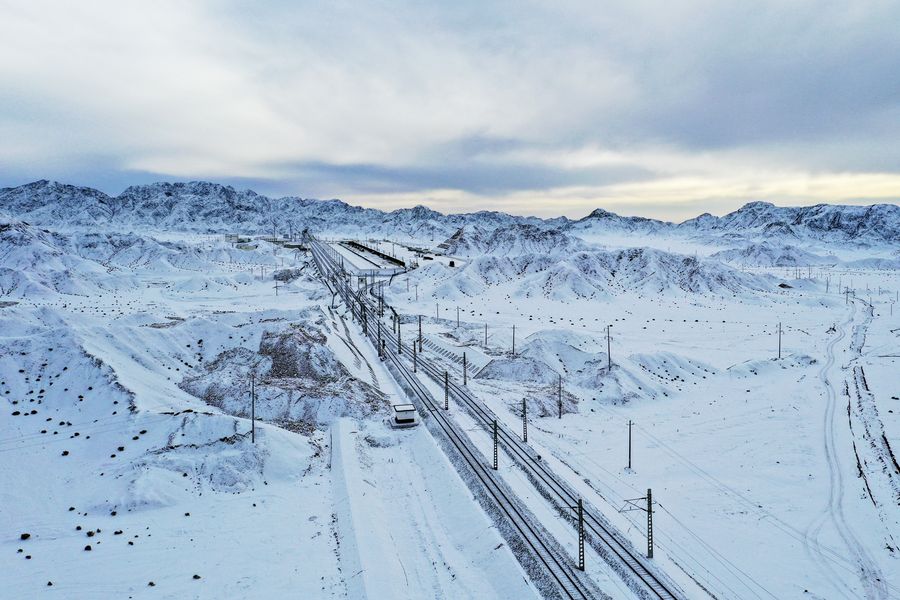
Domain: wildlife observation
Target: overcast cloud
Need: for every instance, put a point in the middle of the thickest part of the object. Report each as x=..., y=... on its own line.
x=654, y=108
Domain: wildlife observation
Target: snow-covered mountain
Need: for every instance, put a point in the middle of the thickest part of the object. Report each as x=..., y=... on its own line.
x=590, y=274
x=768, y=254
x=158, y=383
x=601, y=220
x=877, y=222
x=204, y=206
x=511, y=240
x=36, y=263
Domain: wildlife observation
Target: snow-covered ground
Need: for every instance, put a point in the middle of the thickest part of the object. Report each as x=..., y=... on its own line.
x=126, y=430
x=127, y=357
x=749, y=457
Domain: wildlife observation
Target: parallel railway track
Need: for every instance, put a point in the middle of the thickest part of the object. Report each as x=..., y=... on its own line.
x=600, y=534
x=567, y=583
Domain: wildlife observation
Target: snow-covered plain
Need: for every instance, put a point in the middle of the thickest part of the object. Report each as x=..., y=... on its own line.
x=129, y=331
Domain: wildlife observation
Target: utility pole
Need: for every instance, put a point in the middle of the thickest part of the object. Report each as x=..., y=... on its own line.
x=514, y=342
x=446, y=391
x=457, y=317
x=629, y=443
x=649, y=523
x=465, y=374
x=399, y=347
x=608, y=349
x=559, y=396
x=632, y=504
x=495, y=444
x=365, y=317
x=580, y=535
x=414, y=357
x=485, y=335
x=276, y=287
x=779, y=340
x=420, y=333
x=253, y=407
x=524, y=421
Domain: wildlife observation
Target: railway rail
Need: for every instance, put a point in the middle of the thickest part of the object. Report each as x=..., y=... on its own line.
x=567, y=581
x=599, y=533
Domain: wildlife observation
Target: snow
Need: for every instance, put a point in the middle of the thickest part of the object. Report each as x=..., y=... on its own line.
x=137, y=444
x=134, y=323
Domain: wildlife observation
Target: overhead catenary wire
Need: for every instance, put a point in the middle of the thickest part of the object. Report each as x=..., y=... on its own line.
x=599, y=530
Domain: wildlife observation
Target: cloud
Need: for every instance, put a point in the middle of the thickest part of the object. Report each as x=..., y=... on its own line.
x=530, y=107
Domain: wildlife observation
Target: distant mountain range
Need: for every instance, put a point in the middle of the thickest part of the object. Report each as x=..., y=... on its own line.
x=209, y=207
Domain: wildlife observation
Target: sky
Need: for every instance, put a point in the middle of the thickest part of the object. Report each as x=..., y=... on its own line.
x=654, y=108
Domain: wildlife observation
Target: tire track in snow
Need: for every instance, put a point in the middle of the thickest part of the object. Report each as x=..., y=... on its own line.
x=347, y=338
x=870, y=575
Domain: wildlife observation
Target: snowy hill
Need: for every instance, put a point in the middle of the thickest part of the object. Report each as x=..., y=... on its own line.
x=511, y=240
x=35, y=263
x=204, y=206
x=49, y=203
x=124, y=378
x=170, y=393
x=588, y=274
x=767, y=254
x=600, y=220
x=878, y=222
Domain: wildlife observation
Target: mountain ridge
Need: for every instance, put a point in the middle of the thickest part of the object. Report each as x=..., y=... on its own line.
x=209, y=206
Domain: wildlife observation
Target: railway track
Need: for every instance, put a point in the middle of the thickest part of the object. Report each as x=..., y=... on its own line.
x=605, y=539
x=566, y=581
x=599, y=533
